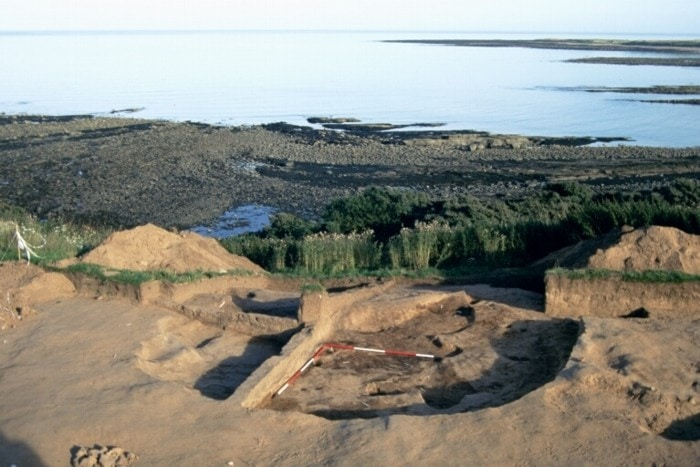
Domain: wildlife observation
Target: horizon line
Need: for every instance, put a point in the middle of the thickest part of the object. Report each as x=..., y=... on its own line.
x=314, y=30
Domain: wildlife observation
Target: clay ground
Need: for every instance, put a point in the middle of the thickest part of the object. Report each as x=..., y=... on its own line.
x=515, y=387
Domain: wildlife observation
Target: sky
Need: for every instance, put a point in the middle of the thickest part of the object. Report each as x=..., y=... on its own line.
x=581, y=16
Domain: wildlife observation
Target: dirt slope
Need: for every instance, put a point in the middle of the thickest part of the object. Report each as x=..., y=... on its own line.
x=22, y=286
x=150, y=247
x=652, y=247
x=628, y=249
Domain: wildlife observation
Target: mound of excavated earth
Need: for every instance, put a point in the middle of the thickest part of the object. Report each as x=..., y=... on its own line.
x=645, y=249
x=652, y=247
x=150, y=247
x=24, y=285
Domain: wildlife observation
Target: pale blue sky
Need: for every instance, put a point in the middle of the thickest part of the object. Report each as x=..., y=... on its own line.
x=597, y=16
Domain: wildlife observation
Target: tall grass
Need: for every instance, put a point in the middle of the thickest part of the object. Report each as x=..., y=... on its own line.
x=317, y=253
x=426, y=245
x=465, y=230
x=404, y=231
x=50, y=240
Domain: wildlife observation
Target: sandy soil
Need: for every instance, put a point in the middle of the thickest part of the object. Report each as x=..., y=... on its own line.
x=109, y=373
x=131, y=376
x=151, y=248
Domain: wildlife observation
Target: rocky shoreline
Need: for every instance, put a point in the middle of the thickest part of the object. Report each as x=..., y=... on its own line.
x=602, y=45
x=685, y=51
x=125, y=172
x=683, y=90
x=637, y=61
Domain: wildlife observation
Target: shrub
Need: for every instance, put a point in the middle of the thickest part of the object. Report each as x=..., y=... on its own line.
x=571, y=190
x=417, y=233
x=384, y=211
x=284, y=225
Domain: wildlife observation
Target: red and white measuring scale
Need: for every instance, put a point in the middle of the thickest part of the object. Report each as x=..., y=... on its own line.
x=324, y=347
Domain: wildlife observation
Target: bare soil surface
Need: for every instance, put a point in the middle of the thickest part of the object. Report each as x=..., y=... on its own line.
x=486, y=354
x=627, y=249
x=169, y=390
x=125, y=172
x=133, y=376
x=648, y=249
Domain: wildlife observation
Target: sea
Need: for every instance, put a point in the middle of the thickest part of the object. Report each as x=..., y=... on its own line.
x=254, y=77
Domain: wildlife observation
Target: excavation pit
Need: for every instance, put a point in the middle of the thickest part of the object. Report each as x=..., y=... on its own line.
x=487, y=354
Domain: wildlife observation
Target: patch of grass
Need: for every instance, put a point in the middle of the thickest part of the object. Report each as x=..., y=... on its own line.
x=51, y=240
x=139, y=277
x=312, y=288
x=656, y=276
x=124, y=276
x=652, y=276
x=91, y=270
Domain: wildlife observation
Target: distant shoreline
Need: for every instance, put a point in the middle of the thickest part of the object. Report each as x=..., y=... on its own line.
x=607, y=45
x=687, y=51
x=248, y=91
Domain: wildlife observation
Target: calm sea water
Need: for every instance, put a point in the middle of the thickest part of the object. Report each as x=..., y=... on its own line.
x=237, y=78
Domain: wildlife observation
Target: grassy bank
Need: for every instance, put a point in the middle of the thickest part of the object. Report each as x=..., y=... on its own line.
x=389, y=232
x=648, y=277
x=139, y=277
x=24, y=236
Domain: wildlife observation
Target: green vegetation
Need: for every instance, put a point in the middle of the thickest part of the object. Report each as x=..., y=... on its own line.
x=51, y=241
x=391, y=232
x=139, y=277
x=650, y=276
x=401, y=230
x=312, y=288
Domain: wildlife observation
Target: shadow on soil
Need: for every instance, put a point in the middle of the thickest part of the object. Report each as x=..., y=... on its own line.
x=221, y=381
x=687, y=429
x=514, y=374
x=17, y=453
x=283, y=308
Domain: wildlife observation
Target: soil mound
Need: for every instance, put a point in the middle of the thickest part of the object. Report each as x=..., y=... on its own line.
x=642, y=249
x=150, y=247
x=24, y=285
x=651, y=248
